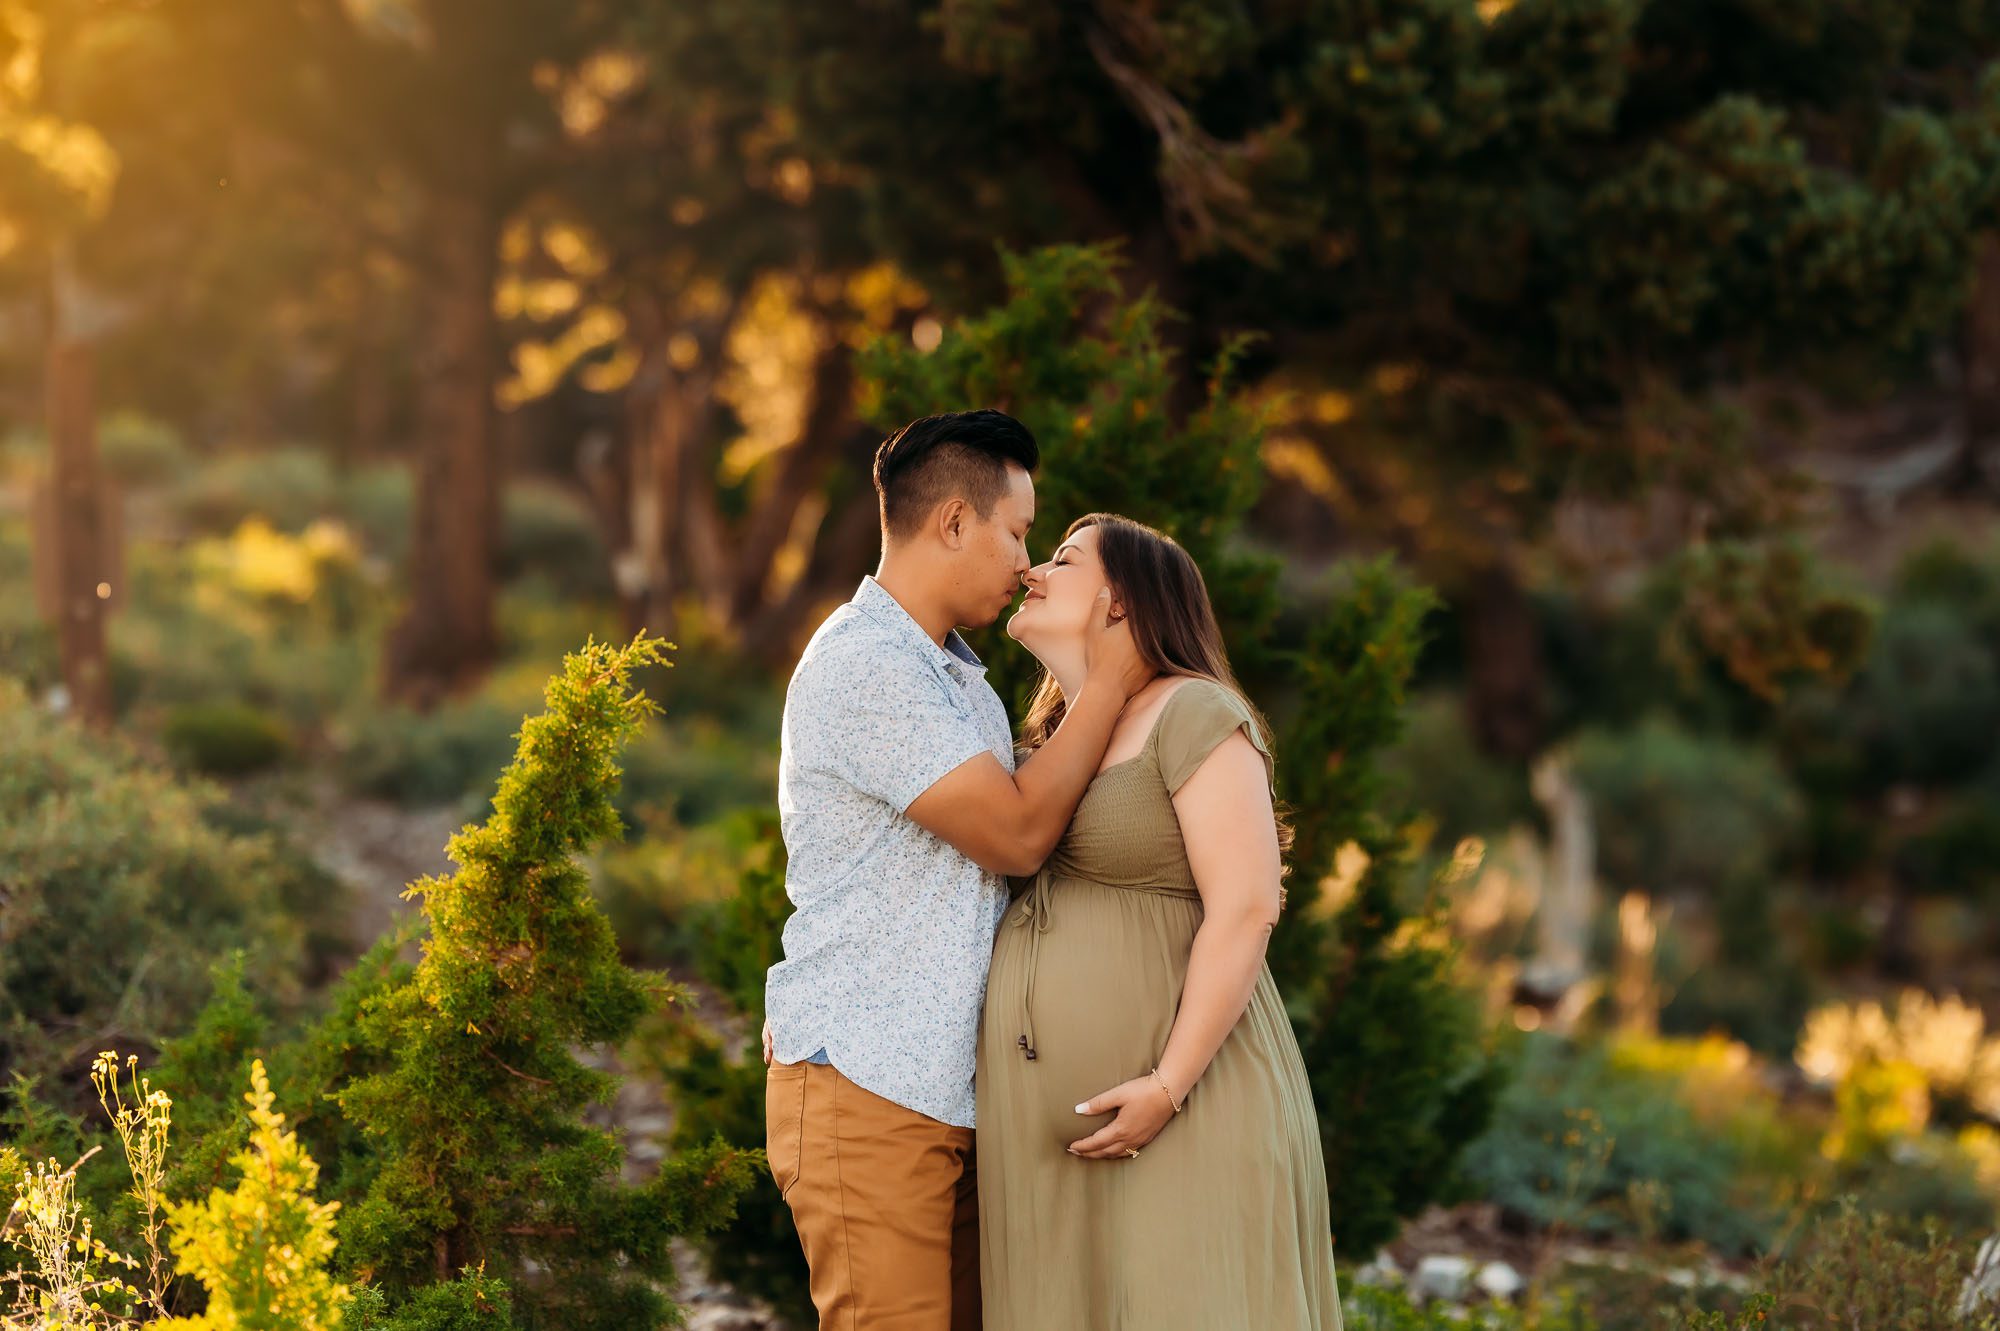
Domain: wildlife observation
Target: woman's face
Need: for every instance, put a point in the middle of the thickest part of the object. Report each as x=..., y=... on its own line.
x=1061, y=596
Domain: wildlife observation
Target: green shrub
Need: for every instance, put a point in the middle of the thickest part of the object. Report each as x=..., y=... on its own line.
x=1959, y=853
x=1927, y=704
x=673, y=896
x=461, y=1077
x=435, y=757
x=1678, y=811
x=1585, y=1143
x=1759, y=1001
x=120, y=890
x=377, y=501
x=27, y=641
x=550, y=535
x=1395, y=1048
x=716, y=1082
x=1376, y=1308
x=288, y=487
x=193, y=632
x=1858, y=1270
x=1439, y=768
x=224, y=738
x=140, y=452
x=473, y=1302
x=1944, y=572
x=1930, y=1181
x=697, y=770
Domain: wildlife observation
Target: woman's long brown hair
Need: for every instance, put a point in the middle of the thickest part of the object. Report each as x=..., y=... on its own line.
x=1173, y=624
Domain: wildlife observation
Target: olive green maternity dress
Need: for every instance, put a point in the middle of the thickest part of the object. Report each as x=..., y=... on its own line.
x=1221, y=1224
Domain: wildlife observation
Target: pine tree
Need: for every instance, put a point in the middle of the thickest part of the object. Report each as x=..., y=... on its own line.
x=477, y=1157
x=1092, y=374
x=1400, y=1071
x=1510, y=244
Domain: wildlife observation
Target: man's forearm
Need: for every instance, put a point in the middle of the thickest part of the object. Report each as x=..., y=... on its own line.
x=1055, y=776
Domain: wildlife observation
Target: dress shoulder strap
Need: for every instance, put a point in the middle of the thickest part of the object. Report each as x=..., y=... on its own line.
x=1198, y=717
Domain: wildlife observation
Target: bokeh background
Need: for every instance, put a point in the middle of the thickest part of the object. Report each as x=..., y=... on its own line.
x=1587, y=413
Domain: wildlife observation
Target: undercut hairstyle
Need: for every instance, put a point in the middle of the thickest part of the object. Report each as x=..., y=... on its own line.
x=957, y=455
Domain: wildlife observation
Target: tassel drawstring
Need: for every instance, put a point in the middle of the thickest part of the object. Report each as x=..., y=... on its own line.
x=1038, y=904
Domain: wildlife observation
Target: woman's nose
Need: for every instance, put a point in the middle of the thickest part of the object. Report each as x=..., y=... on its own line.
x=1032, y=576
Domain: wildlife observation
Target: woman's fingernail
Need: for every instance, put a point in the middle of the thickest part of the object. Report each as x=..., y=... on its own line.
x=1083, y=1108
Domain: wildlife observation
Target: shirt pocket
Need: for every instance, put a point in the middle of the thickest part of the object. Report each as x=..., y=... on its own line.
x=784, y=1122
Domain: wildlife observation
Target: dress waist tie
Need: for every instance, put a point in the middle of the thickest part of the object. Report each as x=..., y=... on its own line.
x=1038, y=905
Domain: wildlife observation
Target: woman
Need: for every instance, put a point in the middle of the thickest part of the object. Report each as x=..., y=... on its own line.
x=1148, y=1153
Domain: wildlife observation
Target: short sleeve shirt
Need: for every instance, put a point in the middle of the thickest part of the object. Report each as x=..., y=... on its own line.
x=887, y=952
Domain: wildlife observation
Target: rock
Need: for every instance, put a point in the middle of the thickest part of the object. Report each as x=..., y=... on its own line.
x=1442, y=1277
x=1500, y=1280
x=717, y=1317
x=649, y=1125
x=1380, y=1272
x=1983, y=1285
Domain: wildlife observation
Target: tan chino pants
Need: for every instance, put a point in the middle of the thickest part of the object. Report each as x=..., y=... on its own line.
x=885, y=1199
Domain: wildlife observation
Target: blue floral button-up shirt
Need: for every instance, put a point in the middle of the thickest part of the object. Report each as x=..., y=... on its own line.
x=886, y=956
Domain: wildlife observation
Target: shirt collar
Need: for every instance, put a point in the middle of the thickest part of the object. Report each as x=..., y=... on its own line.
x=874, y=600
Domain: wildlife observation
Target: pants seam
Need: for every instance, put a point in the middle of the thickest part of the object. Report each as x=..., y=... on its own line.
x=840, y=1193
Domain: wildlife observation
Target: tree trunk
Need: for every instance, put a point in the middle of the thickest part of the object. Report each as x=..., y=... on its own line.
x=447, y=636
x=848, y=544
x=369, y=403
x=675, y=538
x=690, y=401
x=1503, y=663
x=77, y=531
x=1981, y=354
x=652, y=512
x=829, y=432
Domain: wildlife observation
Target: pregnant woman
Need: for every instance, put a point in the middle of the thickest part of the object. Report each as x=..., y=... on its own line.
x=1148, y=1153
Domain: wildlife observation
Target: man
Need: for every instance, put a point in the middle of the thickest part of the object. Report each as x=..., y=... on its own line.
x=901, y=811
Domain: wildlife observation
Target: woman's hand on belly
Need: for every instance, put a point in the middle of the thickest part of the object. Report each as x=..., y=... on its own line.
x=1141, y=1107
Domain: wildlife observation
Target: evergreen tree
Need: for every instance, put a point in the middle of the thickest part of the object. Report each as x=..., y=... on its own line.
x=472, y=1155
x=1393, y=1046
x=718, y=1091
x=1090, y=373
x=1501, y=241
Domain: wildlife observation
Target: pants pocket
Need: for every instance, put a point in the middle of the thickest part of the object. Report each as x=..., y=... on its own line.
x=784, y=1122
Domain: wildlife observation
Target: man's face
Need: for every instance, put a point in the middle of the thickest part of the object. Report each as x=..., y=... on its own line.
x=995, y=553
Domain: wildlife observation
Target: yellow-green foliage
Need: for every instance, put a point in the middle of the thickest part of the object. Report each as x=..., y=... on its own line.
x=143, y=1126
x=261, y=1249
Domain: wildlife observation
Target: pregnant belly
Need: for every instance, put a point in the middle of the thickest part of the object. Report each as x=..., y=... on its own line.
x=1106, y=983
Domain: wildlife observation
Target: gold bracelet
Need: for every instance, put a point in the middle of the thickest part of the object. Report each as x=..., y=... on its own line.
x=1168, y=1089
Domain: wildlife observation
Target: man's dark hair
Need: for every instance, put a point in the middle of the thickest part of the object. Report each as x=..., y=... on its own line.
x=957, y=454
